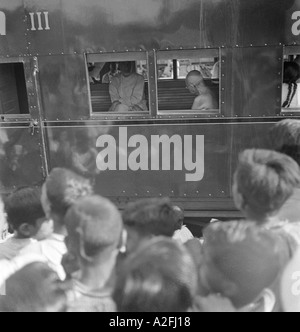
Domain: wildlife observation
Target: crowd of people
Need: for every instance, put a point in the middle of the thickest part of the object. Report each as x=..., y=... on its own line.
x=71, y=250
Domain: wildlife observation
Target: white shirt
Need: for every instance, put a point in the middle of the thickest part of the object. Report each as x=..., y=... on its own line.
x=129, y=91
x=183, y=235
x=52, y=249
x=12, y=247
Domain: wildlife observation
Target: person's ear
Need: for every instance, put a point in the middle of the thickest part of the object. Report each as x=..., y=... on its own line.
x=26, y=230
x=239, y=199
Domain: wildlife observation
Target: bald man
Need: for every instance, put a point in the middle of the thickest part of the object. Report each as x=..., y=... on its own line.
x=196, y=85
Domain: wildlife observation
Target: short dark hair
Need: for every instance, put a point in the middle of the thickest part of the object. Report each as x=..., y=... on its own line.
x=64, y=187
x=34, y=288
x=284, y=137
x=99, y=221
x=243, y=254
x=266, y=180
x=24, y=206
x=160, y=277
x=151, y=216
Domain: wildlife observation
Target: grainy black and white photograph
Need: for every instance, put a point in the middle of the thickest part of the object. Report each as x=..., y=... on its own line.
x=150, y=158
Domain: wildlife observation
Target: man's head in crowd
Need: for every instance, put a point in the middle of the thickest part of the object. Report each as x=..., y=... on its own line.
x=34, y=288
x=147, y=218
x=239, y=261
x=94, y=227
x=25, y=214
x=284, y=137
x=160, y=276
x=61, y=189
x=263, y=182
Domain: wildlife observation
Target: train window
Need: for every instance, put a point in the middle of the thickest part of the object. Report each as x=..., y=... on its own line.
x=118, y=83
x=13, y=92
x=188, y=80
x=291, y=81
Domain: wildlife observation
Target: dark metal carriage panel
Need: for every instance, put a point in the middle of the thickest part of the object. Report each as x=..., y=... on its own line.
x=114, y=25
x=241, y=23
x=63, y=84
x=20, y=157
x=252, y=79
x=13, y=32
x=149, y=183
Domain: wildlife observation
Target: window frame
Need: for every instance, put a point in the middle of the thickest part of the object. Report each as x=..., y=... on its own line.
x=189, y=53
x=30, y=85
x=118, y=57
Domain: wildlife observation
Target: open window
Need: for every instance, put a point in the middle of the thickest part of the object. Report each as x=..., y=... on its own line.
x=118, y=83
x=290, y=93
x=188, y=80
x=13, y=92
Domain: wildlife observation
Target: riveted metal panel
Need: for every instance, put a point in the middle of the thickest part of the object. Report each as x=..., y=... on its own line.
x=64, y=90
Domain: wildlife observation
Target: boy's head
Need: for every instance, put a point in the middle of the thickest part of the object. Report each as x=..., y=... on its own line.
x=284, y=137
x=159, y=277
x=25, y=214
x=239, y=260
x=147, y=218
x=94, y=227
x=263, y=182
x=34, y=288
x=61, y=189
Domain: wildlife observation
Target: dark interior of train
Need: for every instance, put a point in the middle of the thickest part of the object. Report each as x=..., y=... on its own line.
x=173, y=94
x=13, y=92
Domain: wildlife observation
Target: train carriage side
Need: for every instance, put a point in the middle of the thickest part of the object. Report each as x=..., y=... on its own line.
x=55, y=62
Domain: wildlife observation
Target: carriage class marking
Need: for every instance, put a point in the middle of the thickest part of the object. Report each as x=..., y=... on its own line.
x=40, y=21
x=116, y=157
x=2, y=24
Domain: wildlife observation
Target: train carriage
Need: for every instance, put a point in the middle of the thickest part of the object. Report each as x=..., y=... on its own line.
x=54, y=101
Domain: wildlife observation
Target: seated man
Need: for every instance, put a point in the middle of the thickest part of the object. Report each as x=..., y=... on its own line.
x=126, y=90
x=196, y=85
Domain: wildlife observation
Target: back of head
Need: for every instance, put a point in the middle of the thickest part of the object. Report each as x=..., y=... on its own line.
x=240, y=260
x=34, y=288
x=126, y=67
x=63, y=188
x=265, y=180
x=160, y=277
x=24, y=207
x=194, y=77
x=291, y=72
x=95, y=224
x=151, y=216
x=284, y=137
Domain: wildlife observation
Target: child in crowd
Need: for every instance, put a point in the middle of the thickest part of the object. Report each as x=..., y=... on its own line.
x=148, y=218
x=160, y=276
x=94, y=227
x=27, y=219
x=240, y=262
x=285, y=138
x=61, y=189
x=34, y=288
x=263, y=182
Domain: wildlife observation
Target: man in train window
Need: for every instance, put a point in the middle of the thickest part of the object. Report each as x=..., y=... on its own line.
x=126, y=90
x=205, y=99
